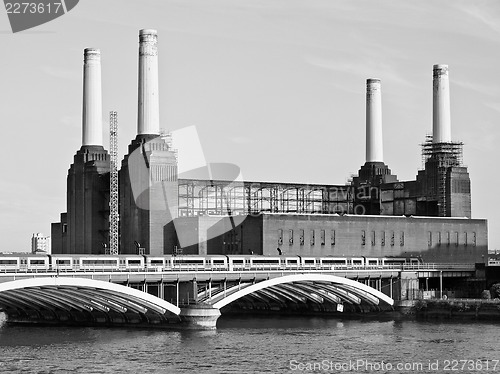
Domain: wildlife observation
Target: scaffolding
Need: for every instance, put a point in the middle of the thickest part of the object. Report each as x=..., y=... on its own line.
x=446, y=154
x=218, y=197
x=113, y=183
x=437, y=158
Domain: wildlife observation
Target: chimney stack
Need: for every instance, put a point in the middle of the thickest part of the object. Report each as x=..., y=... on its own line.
x=92, y=98
x=374, y=145
x=148, y=115
x=441, y=122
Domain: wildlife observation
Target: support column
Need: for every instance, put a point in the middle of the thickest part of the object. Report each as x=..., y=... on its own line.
x=161, y=290
x=148, y=114
x=441, y=284
x=177, y=293
x=195, y=291
x=199, y=317
x=374, y=144
x=441, y=119
x=390, y=288
x=92, y=98
x=409, y=285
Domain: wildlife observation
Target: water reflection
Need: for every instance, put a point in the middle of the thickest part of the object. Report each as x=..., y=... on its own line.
x=260, y=344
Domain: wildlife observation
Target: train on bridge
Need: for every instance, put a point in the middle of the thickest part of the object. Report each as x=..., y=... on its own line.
x=30, y=262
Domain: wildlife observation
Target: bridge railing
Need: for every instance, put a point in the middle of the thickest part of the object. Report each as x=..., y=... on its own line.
x=434, y=266
x=198, y=268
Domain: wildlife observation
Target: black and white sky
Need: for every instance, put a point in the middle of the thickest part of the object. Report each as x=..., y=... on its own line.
x=276, y=87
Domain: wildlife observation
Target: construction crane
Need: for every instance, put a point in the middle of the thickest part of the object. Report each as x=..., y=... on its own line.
x=113, y=183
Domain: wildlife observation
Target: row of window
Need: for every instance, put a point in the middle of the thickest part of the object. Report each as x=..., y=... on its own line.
x=321, y=240
x=451, y=238
x=392, y=238
x=373, y=238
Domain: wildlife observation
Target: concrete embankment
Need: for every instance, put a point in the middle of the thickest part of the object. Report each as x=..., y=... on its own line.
x=451, y=308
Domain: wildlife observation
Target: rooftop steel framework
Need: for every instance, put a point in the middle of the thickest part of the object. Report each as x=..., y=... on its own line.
x=218, y=197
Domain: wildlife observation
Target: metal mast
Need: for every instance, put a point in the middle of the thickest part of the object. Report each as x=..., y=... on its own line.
x=113, y=184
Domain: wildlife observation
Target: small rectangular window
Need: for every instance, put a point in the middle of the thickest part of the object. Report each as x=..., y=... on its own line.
x=363, y=237
x=322, y=237
x=332, y=238
x=473, y=239
x=402, y=238
x=456, y=239
x=429, y=239
x=290, y=237
x=448, y=238
x=465, y=239
x=392, y=239
x=301, y=237
x=373, y=237
x=280, y=236
x=37, y=262
x=439, y=238
x=313, y=238
x=382, y=238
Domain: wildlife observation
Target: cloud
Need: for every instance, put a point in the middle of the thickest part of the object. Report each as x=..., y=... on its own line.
x=240, y=139
x=480, y=11
x=495, y=106
x=490, y=90
x=363, y=67
x=72, y=121
x=62, y=73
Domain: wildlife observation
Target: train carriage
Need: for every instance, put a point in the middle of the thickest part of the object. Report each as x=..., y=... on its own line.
x=263, y=262
x=9, y=263
x=189, y=263
x=97, y=263
x=333, y=262
x=397, y=262
x=134, y=262
x=373, y=262
x=37, y=262
x=63, y=262
x=291, y=263
x=157, y=263
x=236, y=262
x=218, y=263
x=309, y=262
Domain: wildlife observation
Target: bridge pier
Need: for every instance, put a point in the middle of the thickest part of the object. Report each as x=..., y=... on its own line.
x=409, y=284
x=199, y=317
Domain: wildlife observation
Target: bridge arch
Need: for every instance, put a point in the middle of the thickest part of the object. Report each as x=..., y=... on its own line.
x=52, y=297
x=330, y=287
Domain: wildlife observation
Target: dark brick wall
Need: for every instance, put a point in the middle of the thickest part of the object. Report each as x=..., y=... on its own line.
x=148, y=196
x=383, y=236
x=88, y=201
x=432, y=239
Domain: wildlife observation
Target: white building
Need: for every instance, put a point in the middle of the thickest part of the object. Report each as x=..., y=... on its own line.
x=40, y=244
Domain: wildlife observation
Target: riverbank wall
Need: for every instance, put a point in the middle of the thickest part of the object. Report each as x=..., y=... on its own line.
x=450, y=309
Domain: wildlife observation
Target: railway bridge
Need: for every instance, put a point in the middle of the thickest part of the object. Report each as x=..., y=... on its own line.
x=195, y=299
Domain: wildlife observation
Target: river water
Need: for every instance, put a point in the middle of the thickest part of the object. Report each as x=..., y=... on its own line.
x=257, y=345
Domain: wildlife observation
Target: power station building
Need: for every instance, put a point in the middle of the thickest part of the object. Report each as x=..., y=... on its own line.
x=375, y=215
